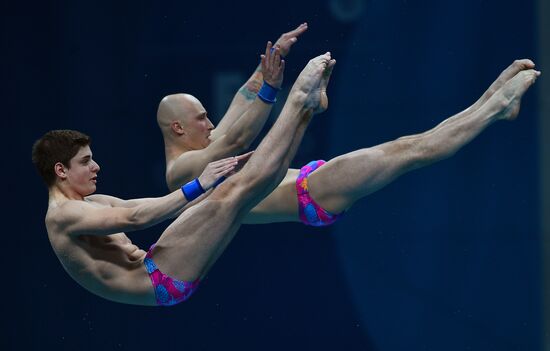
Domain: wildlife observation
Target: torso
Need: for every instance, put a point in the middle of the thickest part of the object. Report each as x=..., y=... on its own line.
x=110, y=266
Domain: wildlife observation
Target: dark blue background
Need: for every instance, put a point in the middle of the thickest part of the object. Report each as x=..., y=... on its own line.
x=447, y=258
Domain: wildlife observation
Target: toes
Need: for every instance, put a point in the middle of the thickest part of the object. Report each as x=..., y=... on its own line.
x=323, y=58
x=523, y=64
x=523, y=80
x=534, y=75
x=530, y=75
x=509, y=73
x=516, y=67
x=328, y=68
x=322, y=61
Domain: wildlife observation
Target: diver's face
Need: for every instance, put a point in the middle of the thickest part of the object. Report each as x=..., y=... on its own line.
x=82, y=172
x=197, y=127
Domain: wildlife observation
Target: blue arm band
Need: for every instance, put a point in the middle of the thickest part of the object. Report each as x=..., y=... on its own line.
x=219, y=181
x=192, y=190
x=267, y=93
x=273, y=49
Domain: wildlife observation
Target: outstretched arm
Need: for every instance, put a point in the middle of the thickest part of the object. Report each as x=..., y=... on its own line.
x=247, y=93
x=83, y=218
x=240, y=135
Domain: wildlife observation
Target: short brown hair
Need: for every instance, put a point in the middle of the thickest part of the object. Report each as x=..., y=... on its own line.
x=56, y=146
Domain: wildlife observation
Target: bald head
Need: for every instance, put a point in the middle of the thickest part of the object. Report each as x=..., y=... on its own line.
x=184, y=122
x=177, y=108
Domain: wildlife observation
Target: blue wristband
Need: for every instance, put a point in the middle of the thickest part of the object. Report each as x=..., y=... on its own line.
x=273, y=49
x=267, y=93
x=192, y=190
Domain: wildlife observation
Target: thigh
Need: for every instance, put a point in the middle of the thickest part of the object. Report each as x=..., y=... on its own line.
x=190, y=245
x=343, y=180
x=279, y=206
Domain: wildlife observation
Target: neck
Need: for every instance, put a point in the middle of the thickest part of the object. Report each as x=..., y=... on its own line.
x=173, y=150
x=59, y=194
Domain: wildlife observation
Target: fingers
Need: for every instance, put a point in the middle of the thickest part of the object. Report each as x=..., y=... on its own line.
x=268, y=49
x=265, y=57
x=272, y=56
x=282, y=66
x=276, y=63
x=224, y=170
x=229, y=162
x=228, y=166
x=272, y=65
x=244, y=156
x=276, y=57
x=289, y=38
x=215, y=170
x=263, y=61
x=298, y=31
x=225, y=162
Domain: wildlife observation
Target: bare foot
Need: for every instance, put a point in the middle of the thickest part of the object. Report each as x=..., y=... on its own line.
x=510, y=72
x=508, y=98
x=313, y=82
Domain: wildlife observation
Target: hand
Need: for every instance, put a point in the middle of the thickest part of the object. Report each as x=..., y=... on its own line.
x=215, y=170
x=286, y=40
x=242, y=159
x=272, y=66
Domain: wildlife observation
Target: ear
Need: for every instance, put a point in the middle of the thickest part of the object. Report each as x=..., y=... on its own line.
x=177, y=128
x=60, y=170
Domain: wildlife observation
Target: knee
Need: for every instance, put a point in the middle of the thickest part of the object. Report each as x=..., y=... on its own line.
x=423, y=150
x=408, y=152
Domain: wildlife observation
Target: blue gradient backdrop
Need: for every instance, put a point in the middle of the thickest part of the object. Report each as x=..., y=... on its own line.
x=446, y=258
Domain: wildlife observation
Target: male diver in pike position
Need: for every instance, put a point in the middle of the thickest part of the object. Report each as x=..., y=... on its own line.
x=320, y=191
x=87, y=231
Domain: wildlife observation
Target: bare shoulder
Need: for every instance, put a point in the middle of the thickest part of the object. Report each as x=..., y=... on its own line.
x=70, y=208
x=56, y=217
x=61, y=216
x=185, y=168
